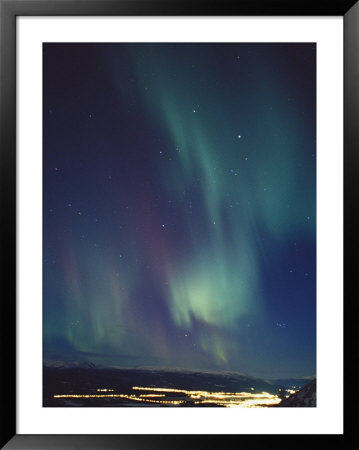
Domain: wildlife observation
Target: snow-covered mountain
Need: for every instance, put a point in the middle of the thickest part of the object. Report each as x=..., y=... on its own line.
x=305, y=397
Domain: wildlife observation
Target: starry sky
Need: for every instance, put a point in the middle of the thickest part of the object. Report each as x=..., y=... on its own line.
x=179, y=206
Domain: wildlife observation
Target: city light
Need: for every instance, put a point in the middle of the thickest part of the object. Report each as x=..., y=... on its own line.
x=188, y=397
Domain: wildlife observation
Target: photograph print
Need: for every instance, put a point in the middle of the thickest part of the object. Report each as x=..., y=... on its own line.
x=179, y=225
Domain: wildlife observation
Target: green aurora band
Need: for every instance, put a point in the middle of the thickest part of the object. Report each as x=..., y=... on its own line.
x=239, y=178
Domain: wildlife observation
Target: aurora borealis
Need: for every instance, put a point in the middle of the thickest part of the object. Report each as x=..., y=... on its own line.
x=180, y=206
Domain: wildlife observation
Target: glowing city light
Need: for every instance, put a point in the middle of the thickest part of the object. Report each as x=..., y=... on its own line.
x=157, y=395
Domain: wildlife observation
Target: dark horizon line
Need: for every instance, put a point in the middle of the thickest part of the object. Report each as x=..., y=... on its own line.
x=170, y=369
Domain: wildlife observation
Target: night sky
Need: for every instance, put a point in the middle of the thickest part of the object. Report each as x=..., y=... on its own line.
x=179, y=206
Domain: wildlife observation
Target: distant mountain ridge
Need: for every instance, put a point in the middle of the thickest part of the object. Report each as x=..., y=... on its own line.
x=82, y=375
x=230, y=377
x=72, y=364
x=56, y=364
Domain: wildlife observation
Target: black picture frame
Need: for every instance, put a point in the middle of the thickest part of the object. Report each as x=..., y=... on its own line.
x=9, y=10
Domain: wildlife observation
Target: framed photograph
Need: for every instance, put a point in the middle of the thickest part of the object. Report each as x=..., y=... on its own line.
x=173, y=188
